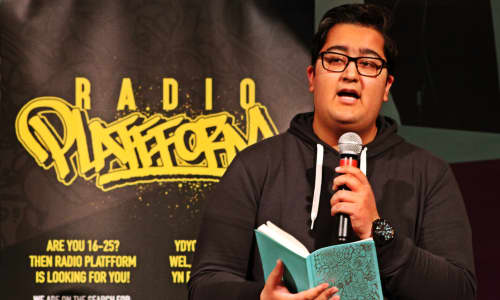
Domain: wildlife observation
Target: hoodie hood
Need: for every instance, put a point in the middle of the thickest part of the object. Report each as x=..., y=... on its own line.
x=386, y=138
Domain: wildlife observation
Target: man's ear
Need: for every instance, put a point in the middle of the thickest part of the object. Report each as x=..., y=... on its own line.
x=388, y=84
x=310, y=77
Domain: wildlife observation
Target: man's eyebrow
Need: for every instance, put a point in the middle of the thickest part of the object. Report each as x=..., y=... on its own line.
x=367, y=51
x=362, y=51
x=337, y=47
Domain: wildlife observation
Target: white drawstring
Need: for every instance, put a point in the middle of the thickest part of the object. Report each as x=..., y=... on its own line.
x=317, y=183
x=363, y=160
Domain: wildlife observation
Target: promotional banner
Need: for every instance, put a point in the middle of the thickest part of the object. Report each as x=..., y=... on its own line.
x=117, y=120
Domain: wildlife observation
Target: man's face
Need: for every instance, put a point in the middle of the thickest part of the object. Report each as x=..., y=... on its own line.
x=347, y=101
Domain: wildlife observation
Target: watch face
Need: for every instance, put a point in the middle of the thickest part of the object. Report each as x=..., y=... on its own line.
x=382, y=232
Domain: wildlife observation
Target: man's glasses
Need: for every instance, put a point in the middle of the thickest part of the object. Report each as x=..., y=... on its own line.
x=366, y=66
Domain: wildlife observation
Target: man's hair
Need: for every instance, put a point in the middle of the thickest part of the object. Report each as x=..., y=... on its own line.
x=368, y=15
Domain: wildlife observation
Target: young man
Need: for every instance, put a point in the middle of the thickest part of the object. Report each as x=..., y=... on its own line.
x=406, y=191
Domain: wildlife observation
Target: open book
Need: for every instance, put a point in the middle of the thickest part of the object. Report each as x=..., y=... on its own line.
x=351, y=267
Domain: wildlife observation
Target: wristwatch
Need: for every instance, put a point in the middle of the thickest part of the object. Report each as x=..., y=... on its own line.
x=382, y=232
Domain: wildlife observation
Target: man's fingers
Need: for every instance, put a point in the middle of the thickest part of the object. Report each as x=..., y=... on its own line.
x=313, y=293
x=343, y=196
x=346, y=179
x=343, y=207
x=276, y=275
x=326, y=294
x=356, y=172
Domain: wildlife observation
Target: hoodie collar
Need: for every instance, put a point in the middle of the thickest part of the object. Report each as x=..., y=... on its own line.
x=386, y=138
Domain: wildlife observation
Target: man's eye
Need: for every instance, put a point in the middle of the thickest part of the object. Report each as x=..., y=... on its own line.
x=369, y=64
x=334, y=60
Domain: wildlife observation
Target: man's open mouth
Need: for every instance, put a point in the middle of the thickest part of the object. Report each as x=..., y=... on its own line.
x=349, y=93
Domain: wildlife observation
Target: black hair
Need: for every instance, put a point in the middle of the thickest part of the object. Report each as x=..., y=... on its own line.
x=368, y=15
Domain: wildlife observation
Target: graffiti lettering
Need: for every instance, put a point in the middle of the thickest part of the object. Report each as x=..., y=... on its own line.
x=135, y=149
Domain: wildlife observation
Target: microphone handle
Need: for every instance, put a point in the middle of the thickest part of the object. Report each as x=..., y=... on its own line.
x=344, y=220
x=344, y=223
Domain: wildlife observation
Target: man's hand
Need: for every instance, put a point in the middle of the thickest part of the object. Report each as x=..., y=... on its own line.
x=274, y=288
x=358, y=203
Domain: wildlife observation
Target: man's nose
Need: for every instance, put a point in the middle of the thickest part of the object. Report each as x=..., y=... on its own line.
x=350, y=73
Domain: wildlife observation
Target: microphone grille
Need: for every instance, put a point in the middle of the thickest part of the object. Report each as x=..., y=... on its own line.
x=350, y=143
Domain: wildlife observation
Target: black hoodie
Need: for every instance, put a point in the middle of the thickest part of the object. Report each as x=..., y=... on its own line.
x=430, y=257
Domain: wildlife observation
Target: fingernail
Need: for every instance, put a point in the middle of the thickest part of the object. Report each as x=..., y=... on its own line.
x=337, y=169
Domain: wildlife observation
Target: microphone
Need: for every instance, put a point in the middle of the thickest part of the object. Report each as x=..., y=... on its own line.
x=350, y=146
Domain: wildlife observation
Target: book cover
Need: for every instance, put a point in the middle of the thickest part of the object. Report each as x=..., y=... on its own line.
x=351, y=267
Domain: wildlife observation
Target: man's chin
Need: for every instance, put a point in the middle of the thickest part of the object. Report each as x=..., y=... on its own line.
x=348, y=124
x=346, y=120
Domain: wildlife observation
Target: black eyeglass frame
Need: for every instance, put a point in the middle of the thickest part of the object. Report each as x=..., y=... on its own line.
x=355, y=60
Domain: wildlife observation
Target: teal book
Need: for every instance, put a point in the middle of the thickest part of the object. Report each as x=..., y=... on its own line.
x=351, y=267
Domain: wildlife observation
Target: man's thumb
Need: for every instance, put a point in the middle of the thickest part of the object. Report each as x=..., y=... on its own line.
x=276, y=274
